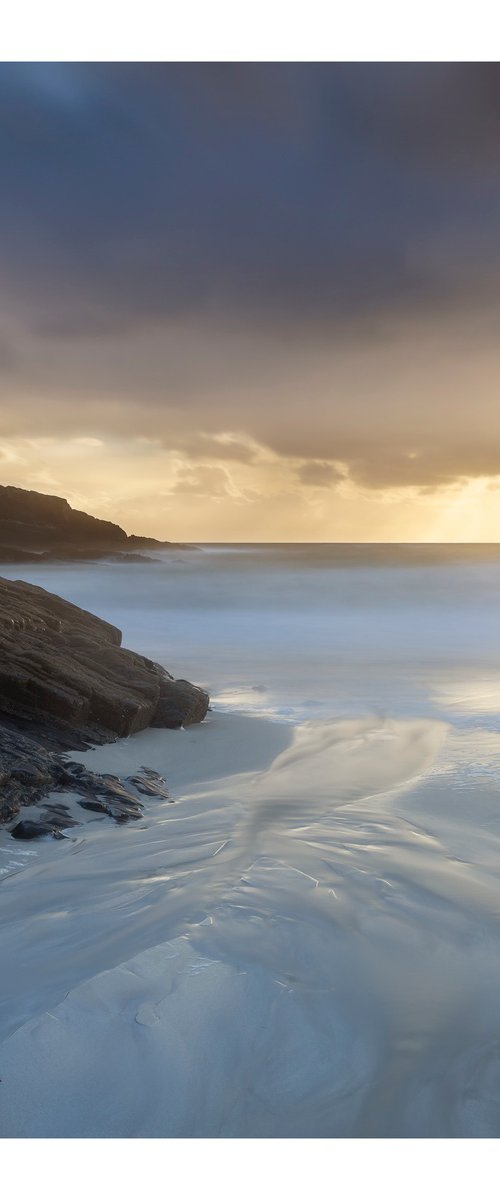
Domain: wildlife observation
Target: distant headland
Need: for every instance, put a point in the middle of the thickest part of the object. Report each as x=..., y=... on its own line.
x=35, y=528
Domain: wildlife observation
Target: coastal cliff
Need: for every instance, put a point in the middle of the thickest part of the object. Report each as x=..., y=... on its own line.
x=35, y=527
x=66, y=682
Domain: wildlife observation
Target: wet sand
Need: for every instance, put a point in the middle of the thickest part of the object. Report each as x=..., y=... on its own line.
x=294, y=948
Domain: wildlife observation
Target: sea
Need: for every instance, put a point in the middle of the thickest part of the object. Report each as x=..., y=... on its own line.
x=306, y=943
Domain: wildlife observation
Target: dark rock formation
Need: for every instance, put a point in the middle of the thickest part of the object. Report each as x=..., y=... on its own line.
x=65, y=683
x=34, y=525
x=54, y=819
x=29, y=770
x=60, y=663
x=179, y=704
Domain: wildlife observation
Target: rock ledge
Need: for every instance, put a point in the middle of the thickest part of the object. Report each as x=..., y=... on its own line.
x=65, y=683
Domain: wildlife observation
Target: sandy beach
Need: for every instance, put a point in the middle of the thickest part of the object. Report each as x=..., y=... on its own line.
x=302, y=938
x=260, y=957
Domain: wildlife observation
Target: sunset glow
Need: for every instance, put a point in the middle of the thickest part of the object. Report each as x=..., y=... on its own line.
x=301, y=346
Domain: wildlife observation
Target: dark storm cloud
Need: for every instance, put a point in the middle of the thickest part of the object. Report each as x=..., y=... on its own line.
x=276, y=191
x=205, y=250
x=319, y=474
x=203, y=446
x=445, y=113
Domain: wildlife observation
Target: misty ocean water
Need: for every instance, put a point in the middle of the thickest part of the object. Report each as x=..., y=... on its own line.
x=307, y=943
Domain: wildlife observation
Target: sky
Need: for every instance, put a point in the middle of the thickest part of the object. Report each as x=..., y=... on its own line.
x=254, y=301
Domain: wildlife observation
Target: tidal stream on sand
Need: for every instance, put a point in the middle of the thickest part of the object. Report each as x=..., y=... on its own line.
x=306, y=943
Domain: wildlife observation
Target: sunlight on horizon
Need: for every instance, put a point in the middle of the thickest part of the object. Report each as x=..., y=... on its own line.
x=166, y=494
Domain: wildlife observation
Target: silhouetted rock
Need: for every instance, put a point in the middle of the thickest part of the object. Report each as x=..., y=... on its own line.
x=35, y=527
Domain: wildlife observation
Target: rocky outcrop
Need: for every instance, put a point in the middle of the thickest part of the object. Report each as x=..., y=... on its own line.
x=61, y=664
x=66, y=682
x=33, y=525
x=29, y=771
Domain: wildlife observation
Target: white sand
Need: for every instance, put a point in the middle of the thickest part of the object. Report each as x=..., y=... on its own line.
x=291, y=949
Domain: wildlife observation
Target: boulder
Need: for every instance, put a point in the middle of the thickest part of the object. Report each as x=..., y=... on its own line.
x=179, y=703
x=65, y=668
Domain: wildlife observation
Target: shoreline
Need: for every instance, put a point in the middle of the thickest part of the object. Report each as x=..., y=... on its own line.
x=225, y=743
x=303, y=947
x=253, y=959
x=221, y=930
